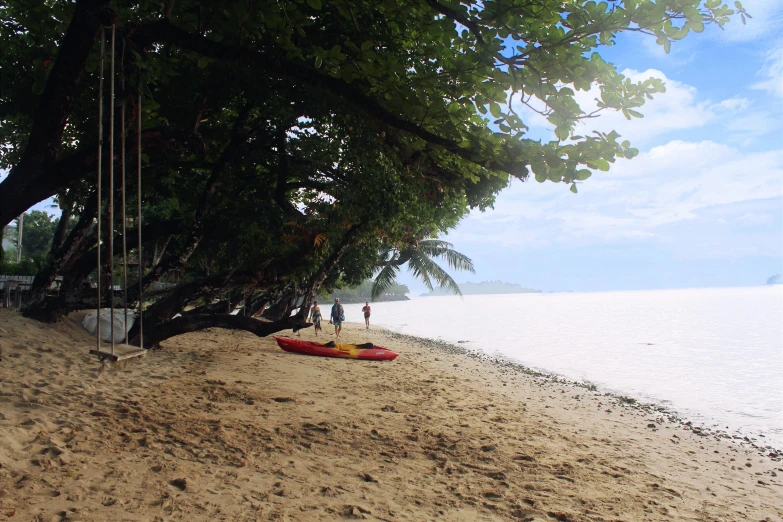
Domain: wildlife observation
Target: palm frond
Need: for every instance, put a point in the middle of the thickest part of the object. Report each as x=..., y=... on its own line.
x=385, y=279
x=434, y=247
x=455, y=260
x=450, y=285
x=419, y=258
x=424, y=268
x=458, y=261
x=320, y=240
x=446, y=282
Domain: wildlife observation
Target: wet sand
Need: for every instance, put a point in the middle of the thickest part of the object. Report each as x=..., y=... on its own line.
x=223, y=425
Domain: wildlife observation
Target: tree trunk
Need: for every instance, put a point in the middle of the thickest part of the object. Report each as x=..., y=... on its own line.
x=350, y=239
x=258, y=300
x=62, y=226
x=166, y=308
x=30, y=180
x=194, y=322
x=221, y=307
x=76, y=245
x=282, y=307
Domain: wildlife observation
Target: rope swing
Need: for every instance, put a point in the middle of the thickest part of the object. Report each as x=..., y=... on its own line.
x=100, y=160
x=138, y=220
x=124, y=351
x=111, y=194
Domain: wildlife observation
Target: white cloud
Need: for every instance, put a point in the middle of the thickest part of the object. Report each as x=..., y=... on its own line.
x=680, y=108
x=753, y=218
x=772, y=72
x=752, y=124
x=647, y=197
x=734, y=104
x=681, y=52
x=767, y=21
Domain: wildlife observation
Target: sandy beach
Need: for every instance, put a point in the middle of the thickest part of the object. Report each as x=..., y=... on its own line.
x=224, y=425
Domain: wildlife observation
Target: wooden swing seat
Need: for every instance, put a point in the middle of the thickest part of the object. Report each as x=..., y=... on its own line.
x=121, y=352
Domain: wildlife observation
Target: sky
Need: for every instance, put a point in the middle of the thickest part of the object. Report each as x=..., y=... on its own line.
x=702, y=204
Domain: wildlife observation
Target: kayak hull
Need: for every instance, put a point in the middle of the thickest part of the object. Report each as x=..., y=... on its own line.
x=344, y=351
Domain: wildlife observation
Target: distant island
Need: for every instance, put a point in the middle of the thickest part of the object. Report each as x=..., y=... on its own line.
x=776, y=279
x=487, y=287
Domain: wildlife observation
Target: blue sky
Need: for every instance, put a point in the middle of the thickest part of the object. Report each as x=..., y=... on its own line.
x=701, y=206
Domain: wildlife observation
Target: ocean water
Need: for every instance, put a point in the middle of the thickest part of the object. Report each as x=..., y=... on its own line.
x=714, y=356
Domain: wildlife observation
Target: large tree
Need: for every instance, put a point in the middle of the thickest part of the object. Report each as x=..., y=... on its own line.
x=288, y=144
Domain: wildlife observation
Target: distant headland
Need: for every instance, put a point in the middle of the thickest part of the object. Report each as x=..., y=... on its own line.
x=776, y=279
x=487, y=287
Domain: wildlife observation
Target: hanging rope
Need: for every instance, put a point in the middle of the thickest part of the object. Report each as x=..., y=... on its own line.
x=111, y=193
x=100, y=158
x=138, y=223
x=122, y=170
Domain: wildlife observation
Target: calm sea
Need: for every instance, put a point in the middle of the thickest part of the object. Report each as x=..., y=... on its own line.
x=714, y=356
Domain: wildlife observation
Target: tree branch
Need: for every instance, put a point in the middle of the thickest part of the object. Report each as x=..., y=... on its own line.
x=163, y=31
x=193, y=322
x=457, y=17
x=45, y=141
x=173, y=261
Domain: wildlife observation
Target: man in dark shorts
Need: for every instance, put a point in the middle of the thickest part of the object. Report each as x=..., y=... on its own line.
x=366, y=312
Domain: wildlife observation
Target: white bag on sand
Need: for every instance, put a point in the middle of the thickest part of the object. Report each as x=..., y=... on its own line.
x=90, y=324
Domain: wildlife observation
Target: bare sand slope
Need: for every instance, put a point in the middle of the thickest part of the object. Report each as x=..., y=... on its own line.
x=225, y=426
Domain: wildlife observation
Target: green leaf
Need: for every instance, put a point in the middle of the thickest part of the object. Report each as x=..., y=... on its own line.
x=635, y=114
x=318, y=62
x=583, y=174
x=39, y=86
x=540, y=177
x=494, y=108
x=573, y=188
x=203, y=62
x=600, y=164
x=315, y=4
x=562, y=133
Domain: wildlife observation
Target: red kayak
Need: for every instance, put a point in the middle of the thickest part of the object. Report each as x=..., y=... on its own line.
x=367, y=352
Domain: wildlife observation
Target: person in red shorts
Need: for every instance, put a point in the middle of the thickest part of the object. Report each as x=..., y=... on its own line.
x=366, y=312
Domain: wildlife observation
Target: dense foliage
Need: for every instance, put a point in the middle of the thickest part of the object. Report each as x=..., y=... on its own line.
x=363, y=293
x=289, y=145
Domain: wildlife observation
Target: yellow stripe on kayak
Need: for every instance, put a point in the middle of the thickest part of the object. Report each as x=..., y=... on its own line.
x=350, y=350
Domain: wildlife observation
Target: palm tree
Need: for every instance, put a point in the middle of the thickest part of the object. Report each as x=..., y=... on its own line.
x=419, y=256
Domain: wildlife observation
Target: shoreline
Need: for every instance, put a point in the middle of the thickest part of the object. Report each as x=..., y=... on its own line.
x=671, y=416
x=223, y=425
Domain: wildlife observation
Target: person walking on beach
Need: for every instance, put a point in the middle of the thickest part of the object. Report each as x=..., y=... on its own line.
x=315, y=316
x=337, y=317
x=366, y=312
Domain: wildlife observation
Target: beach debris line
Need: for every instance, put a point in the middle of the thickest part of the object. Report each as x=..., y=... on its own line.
x=664, y=414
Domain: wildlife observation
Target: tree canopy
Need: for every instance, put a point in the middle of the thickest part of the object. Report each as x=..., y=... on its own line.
x=289, y=145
